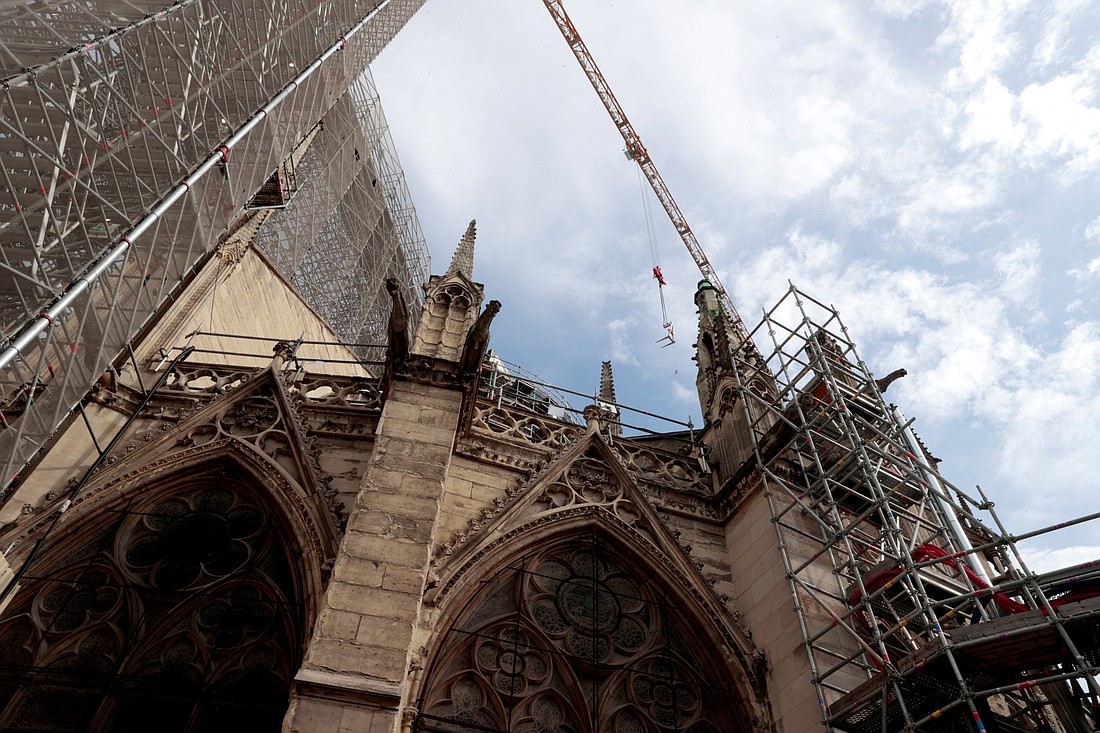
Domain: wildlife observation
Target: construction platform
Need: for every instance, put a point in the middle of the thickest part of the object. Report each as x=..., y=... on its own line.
x=1005, y=654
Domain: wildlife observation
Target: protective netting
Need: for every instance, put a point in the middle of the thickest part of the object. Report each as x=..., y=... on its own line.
x=105, y=111
x=350, y=224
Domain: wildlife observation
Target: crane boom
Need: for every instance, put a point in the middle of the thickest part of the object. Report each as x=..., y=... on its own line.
x=637, y=152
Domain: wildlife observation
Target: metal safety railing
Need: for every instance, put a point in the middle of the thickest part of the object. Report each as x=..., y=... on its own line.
x=917, y=609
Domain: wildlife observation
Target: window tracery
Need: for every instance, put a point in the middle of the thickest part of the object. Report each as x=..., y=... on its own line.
x=180, y=612
x=574, y=639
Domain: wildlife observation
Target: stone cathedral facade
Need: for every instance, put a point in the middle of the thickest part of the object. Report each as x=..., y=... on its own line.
x=288, y=543
x=256, y=531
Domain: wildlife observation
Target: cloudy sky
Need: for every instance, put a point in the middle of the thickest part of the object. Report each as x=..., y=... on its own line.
x=930, y=168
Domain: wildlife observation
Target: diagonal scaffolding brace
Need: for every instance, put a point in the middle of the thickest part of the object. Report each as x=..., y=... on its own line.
x=927, y=617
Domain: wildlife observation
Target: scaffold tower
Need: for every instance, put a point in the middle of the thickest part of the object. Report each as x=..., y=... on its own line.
x=917, y=610
x=135, y=135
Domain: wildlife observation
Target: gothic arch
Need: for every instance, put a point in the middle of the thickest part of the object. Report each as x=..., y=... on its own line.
x=301, y=512
x=705, y=353
x=168, y=599
x=574, y=626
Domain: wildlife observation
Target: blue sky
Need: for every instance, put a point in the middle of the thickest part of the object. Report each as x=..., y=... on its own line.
x=930, y=168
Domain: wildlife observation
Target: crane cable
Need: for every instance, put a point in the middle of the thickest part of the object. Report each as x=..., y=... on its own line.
x=655, y=258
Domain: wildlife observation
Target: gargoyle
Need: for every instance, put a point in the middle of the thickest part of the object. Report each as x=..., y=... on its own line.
x=889, y=379
x=473, y=353
x=398, y=329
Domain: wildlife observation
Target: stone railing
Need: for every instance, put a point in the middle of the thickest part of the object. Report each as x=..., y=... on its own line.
x=337, y=391
x=535, y=429
x=662, y=467
x=310, y=389
x=206, y=379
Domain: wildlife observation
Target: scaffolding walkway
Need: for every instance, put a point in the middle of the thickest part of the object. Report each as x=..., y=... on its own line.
x=917, y=610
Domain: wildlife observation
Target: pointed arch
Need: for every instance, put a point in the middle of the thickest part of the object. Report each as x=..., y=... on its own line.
x=588, y=484
x=574, y=613
x=705, y=353
x=168, y=598
x=301, y=514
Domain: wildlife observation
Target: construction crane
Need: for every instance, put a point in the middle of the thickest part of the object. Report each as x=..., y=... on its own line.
x=637, y=152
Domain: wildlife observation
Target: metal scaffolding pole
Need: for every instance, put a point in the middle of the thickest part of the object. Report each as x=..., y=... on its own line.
x=921, y=621
x=134, y=135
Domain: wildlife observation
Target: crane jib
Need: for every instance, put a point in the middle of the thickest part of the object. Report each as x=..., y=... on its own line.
x=637, y=152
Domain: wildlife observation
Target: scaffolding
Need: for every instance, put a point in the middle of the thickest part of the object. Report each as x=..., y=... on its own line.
x=350, y=223
x=917, y=610
x=507, y=384
x=133, y=135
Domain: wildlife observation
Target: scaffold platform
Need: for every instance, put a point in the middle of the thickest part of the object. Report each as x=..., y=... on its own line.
x=917, y=609
x=1013, y=652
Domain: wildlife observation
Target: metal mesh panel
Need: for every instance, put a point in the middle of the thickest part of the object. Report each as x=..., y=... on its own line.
x=351, y=223
x=111, y=122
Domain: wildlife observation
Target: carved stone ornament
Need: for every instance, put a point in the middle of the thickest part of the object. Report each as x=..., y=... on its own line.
x=575, y=638
x=586, y=486
x=664, y=469
x=428, y=370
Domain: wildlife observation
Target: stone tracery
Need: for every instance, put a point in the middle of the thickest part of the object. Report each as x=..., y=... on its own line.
x=179, y=609
x=576, y=620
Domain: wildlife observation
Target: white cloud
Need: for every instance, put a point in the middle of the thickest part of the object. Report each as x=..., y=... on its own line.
x=903, y=8
x=1045, y=559
x=1089, y=271
x=1052, y=119
x=1019, y=269
x=619, y=342
x=982, y=31
x=946, y=194
x=827, y=147
x=680, y=393
x=1092, y=231
x=991, y=120
x=1057, y=33
x=1062, y=123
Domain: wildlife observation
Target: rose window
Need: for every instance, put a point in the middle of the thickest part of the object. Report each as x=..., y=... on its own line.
x=69, y=606
x=545, y=715
x=595, y=609
x=511, y=661
x=656, y=691
x=191, y=540
x=237, y=616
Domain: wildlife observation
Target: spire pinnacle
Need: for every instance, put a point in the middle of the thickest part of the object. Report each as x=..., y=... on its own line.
x=463, y=260
x=606, y=404
x=607, y=384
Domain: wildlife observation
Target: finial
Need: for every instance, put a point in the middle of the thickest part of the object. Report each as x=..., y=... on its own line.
x=609, y=408
x=706, y=299
x=607, y=384
x=463, y=260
